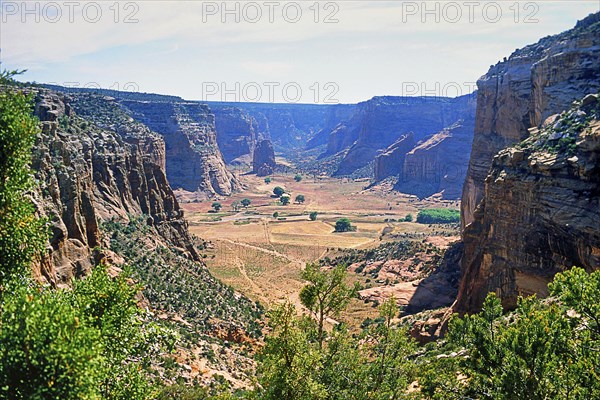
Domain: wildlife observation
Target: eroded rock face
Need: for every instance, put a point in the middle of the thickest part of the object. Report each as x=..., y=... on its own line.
x=534, y=82
x=263, y=161
x=391, y=160
x=237, y=132
x=193, y=159
x=439, y=164
x=90, y=172
x=379, y=122
x=540, y=211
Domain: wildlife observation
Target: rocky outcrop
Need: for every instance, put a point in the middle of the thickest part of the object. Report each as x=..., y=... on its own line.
x=335, y=115
x=263, y=161
x=439, y=164
x=520, y=92
x=379, y=122
x=540, y=211
x=237, y=132
x=193, y=159
x=391, y=161
x=92, y=171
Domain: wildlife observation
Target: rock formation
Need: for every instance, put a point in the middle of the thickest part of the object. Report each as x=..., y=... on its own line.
x=540, y=211
x=439, y=164
x=89, y=172
x=534, y=82
x=263, y=160
x=535, y=212
x=193, y=159
x=237, y=132
x=379, y=122
x=391, y=161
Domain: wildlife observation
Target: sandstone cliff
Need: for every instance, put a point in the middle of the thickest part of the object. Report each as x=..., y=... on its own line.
x=391, y=160
x=439, y=164
x=263, y=161
x=91, y=171
x=379, y=122
x=540, y=211
x=237, y=132
x=193, y=159
x=534, y=82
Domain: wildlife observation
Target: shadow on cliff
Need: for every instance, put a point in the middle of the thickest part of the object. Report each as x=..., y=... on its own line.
x=441, y=287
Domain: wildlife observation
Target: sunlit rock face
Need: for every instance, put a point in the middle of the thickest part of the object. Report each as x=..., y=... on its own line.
x=531, y=210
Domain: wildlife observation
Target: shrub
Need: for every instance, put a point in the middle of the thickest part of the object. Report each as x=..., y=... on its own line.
x=313, y=216
x=285, y=199
x=298, y=177
x=275, y=214
x=246, y=202
x=408, y=218
x=278, y=191
x=216, y=206
x=344, y=225
x=438, y=216
x=300, y=198
x=268, y=180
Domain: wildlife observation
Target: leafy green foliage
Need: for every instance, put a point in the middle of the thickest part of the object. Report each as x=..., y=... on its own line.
x=326, y=293
x=344, y=225
x=284, y=199
x=300, y=198
x=298, y=177
x=246, y=202
x=90, y=342
x=438, y=216
x=22, y=235
x=276, y=214
x=278, y=191
x=268, y=180
x=543, y=350
x=408, y=218
x=216, y=206
x=374, y=365
x=313, y=216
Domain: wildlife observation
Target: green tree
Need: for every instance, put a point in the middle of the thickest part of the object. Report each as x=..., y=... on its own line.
x=275, y=214
x=408, y=218
x=288, y=364
x=298, y=177
x=278, y=191
x=268, y=180
x=285, y=199
x=392, y=368
x=86, y=343
x=22, y=235
x=326, y=293
x=236, y=205
x=246, y=202
x=313, y=216
x=344, y=225
x=300, y=199
x=216, y=206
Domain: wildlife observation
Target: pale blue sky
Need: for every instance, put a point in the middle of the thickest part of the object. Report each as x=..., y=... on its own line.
x=184, y=48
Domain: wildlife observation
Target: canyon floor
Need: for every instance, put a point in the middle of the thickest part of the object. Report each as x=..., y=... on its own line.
x=262, y=256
